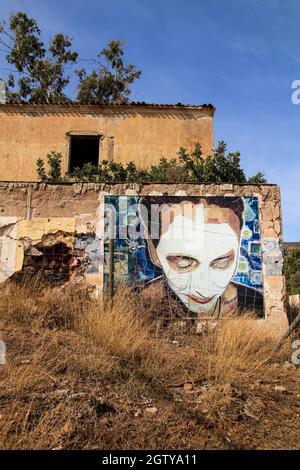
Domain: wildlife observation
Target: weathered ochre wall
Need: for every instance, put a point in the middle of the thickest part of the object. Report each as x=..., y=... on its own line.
x=32, y=213
x=139, y=133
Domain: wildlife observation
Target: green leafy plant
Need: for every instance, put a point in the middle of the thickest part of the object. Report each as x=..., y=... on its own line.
x=190, y=167
x=292, y=269
x=54, y=168
x=259, y=178
x=41, y=72
x=40, y=169
x=110, y=82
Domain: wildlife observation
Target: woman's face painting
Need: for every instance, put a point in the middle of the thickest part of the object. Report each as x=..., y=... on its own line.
x=198, y=251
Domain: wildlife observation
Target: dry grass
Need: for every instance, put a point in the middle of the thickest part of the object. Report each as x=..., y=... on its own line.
x=239, y=344
x=79, y=370
x=118, y=329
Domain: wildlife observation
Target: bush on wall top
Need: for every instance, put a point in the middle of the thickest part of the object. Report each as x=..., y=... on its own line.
x=187, y=168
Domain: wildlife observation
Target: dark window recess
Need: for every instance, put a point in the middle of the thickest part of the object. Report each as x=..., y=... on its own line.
x=84, y=149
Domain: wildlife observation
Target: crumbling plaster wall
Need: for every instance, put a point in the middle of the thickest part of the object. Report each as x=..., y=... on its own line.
x=31, y=210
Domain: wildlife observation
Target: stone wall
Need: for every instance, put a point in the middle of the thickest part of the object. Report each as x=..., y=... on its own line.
x=142, y=133
x=44, y=221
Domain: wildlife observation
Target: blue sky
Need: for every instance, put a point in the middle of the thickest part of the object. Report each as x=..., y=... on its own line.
x=240, y=55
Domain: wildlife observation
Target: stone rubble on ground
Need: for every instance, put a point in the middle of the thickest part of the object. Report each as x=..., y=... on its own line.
x=280, y=389
x=151, y=410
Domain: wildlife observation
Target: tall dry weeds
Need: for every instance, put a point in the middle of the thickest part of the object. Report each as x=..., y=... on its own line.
x=240, y=343
x=78, y=339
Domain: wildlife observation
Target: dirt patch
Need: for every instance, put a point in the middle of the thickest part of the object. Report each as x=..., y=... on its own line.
x=101, y=377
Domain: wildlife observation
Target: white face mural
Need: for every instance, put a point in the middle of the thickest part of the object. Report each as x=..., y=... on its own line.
x=198, y=258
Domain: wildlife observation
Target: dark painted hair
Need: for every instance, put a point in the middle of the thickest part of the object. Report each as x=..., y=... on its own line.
x=235, y=203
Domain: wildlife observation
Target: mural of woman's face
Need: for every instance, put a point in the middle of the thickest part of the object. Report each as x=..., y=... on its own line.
x=198, y=251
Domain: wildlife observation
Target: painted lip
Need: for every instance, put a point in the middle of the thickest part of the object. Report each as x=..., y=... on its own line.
x=198, y=300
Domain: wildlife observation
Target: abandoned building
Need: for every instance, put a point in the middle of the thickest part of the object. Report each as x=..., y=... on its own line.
x=139, y=132
x=58, y=230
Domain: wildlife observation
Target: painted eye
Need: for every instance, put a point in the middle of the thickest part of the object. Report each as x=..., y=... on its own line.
x=182, y=263
x=222, y=263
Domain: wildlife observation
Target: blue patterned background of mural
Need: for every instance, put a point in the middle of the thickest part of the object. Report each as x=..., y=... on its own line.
x=132, y=262
x=249, y=270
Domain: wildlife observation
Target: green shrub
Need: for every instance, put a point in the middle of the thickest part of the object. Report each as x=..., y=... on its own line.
x=191, y=167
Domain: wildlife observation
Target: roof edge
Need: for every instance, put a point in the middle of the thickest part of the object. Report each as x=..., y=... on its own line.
x=96, y=106
x=19, y=183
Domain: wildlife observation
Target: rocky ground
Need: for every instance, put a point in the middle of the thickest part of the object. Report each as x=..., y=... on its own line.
x=78, y=376
x=59, y=404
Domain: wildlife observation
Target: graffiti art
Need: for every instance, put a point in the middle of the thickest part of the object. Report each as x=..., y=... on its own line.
x=200, y=254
